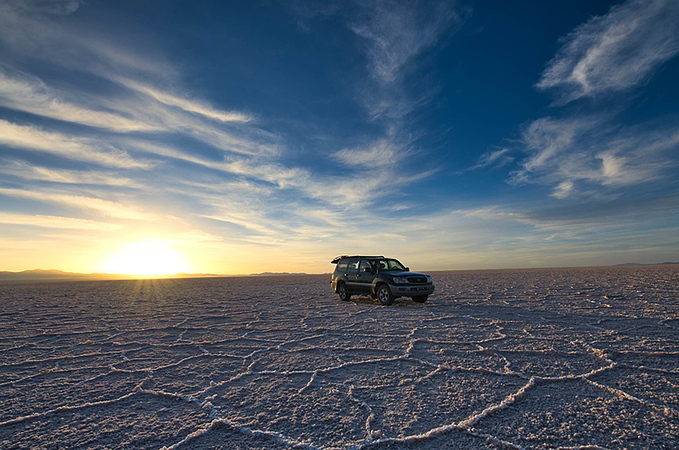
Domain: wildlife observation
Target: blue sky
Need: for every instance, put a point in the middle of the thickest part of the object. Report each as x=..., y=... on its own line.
x=272, y=136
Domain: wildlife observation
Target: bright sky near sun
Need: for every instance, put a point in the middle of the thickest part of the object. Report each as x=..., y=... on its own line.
x=239, y=137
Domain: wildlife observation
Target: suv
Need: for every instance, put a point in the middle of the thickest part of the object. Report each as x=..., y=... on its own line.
x=383, y=278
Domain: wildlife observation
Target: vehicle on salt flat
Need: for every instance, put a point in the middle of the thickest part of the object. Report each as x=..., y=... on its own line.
x=382, y=278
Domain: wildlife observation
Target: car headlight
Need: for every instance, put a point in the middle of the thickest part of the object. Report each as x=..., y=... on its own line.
x=400, y=280
x=428, y=279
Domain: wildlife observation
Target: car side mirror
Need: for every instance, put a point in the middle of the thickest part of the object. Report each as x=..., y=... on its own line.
x=407, y=269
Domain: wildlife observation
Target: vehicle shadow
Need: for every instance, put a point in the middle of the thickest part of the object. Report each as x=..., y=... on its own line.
x=368, y=300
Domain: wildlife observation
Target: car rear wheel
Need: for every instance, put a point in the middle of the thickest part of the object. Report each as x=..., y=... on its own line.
x=421, y=298
x=343, y=293
x=384, y=295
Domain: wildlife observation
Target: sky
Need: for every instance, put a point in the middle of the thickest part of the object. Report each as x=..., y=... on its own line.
x=270, y=136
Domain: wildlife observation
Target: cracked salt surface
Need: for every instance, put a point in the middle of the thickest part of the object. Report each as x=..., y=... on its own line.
x=571, y=358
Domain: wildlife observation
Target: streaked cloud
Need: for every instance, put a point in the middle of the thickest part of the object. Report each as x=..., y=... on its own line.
x=591, y=155
x=549, y=138
x=186, y=104
x=69, y=223
x=76, y=148
x=58, y=7
x=394, y=35
x=382, y=152
x=493, y=159
x=563, y=189
x=614, y=52
x=105, y=208
x=27, y=93
x=596, y=154
x=149, y=102
x=396, y=32
x=39, y=173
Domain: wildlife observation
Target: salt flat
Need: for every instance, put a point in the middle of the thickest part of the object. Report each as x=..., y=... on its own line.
x=516, y=358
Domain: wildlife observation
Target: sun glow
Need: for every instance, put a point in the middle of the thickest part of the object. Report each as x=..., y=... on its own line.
x=149, y=257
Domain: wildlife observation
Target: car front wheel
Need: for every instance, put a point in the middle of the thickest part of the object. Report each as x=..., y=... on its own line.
x=384, y=295
x=421, y=298
x=343, y=293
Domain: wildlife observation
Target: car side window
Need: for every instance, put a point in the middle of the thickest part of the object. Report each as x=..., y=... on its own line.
x=342, y=265
x=364, y=264
x=353, y=265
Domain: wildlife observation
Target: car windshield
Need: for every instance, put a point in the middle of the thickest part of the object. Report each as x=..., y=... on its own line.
x=390, y=264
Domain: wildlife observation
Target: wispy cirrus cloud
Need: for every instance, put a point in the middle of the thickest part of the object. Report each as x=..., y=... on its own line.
x=70, y=223
x=614, y=52
x=186, y=104
x=57, y=7
x=394, y=35
x=75, y=148
x=594, y=154
x=590, y=155
x=35, y=172
x=397, y=32
x=149, y=102
x=383, y=152
x=105, y=208
x=27, y=93
x=548, y=139
x=152, y=110
x=493, y=159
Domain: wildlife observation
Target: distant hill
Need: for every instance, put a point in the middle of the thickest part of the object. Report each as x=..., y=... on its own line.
x=275, y=274
x=647, y=264
x=39, y=275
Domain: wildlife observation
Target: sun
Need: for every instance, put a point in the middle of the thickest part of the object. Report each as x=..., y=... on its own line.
x=150, y=257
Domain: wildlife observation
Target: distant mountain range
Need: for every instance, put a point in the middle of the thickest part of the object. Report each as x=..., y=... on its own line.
x=60, y=275
x=276, y=274
x=648, y=264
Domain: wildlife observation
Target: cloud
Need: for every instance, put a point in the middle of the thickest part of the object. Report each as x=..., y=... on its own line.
x=565, y=152
x=105, y=208
x=28, y=34
x=142, y=106
x=563, y=189
x=614, y=52
x=56, y=222
x=56, y=7
x=591, y=156
x=334, y=190
x=79, y=149
x=495, y=159
x=157, y=111
x=186, y=104
x=27, y=93
x=547, y=139
x=39, y=173
x=396, y=32
x=382, y=152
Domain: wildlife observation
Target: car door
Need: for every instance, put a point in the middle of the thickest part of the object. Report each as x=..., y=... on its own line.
x=352, y=275
x=365, y=276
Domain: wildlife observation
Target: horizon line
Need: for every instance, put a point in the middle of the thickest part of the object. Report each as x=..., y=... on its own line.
x=182, y=275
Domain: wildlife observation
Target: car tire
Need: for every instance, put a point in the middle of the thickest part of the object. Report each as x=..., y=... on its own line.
x=384, y=295
x=420, y=298
x=343, y=292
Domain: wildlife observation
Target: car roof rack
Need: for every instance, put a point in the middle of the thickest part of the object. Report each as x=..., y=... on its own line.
x=339, y=258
